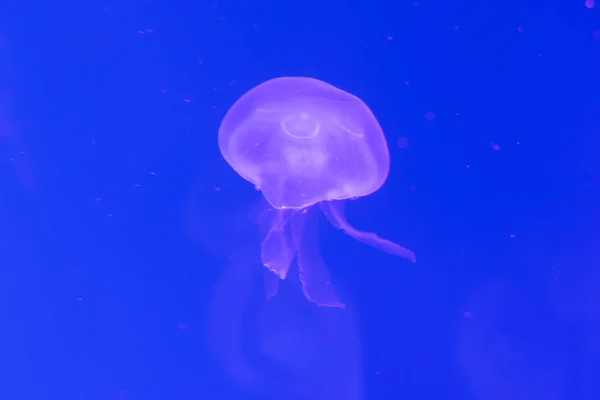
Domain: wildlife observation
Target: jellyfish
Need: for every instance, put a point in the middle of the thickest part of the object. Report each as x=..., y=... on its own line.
x=306, y=143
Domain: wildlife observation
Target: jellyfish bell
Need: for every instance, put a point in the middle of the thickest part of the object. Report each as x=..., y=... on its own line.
x=304, y=142
x=279, y=135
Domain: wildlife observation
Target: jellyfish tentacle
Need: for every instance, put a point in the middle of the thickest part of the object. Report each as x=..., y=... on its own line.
x=316, y=282
x=334, y=211
x=277, y=251
x=270, y=284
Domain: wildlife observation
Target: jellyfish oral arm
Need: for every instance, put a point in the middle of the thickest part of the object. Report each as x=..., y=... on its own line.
x=293, y=235
x=334, y=211
x=277, y=250
x=312, y=270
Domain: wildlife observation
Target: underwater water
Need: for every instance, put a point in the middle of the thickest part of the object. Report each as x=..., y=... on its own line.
x=411, y=213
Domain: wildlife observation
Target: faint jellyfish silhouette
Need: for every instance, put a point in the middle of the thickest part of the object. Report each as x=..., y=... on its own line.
x=304, y=142
x=283, y=348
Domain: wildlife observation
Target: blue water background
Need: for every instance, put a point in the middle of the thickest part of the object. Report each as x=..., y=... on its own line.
x=118, y=216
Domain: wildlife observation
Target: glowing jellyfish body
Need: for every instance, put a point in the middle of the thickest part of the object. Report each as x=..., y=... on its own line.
x=304, y=142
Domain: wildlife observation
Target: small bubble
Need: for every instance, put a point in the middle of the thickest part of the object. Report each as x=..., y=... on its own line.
x=403, y=143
